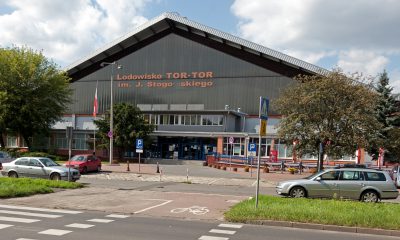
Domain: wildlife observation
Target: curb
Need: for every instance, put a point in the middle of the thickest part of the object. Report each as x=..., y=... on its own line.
x=361, y=230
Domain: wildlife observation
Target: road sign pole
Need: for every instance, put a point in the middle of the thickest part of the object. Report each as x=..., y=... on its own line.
x=263, y=116
x=139, y=162
x=258, y=167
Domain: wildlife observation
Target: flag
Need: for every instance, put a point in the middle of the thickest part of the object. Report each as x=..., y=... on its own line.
x=95, y=104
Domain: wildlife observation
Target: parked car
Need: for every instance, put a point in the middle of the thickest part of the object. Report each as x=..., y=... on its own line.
x=84, y=163
x=5, y=157
x=367, y=185
x=395, y=175
x=38, y=167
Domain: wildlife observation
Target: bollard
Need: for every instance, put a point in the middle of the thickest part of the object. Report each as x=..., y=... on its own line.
x=187, y=174
x=160, y=174
x=127, y=166
x=158, y=168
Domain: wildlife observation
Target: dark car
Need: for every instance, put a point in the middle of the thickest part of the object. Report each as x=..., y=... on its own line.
x=84, y=163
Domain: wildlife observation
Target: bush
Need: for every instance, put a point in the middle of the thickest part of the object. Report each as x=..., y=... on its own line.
x=292, y=170
x=266, y=169
x=246, y=169
x=235, y=169
x=224, y=168
x=40, y=154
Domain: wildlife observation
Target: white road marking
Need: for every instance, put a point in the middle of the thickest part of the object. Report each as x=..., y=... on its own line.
x=213, y=181
x=20, y=220
x=117, y=216
x=55, y=232
x=233, y=201
x=25, y=239
x=254, y=183
x=158, y=205
x=39, y=209
x=30, y=214
x=2, y=226
x=100, y=220
x=79, y=225
x=222, y=231
x=230, y=225
x=212, y=238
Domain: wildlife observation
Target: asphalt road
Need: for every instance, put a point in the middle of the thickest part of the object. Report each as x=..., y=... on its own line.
x=106, y=226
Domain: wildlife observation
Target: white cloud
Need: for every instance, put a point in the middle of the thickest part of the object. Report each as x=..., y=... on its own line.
x=394, y=78
x=68, y=30
x=361, y=34
x=367, y=62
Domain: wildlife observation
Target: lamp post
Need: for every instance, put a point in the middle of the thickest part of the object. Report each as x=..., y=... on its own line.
x=110, y=133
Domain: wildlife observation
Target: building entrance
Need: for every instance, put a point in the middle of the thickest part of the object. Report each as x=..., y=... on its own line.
x=186, y=148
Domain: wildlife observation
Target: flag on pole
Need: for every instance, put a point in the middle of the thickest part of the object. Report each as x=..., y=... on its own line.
x=95, y=104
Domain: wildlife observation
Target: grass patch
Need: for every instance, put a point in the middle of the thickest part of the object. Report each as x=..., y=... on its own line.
x=20, y=187
x=331, y=212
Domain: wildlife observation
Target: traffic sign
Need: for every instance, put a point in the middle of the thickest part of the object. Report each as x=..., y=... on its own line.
x=264, y=107
x=139, y=145
x=252, y=147
x=231, y=140
x=110, y=134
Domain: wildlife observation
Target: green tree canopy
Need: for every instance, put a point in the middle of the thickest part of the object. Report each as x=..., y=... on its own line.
x=129, y=124
x=33, y=92
x=328, y=107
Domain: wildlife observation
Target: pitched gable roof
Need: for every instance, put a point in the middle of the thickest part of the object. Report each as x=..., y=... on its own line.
x=173, y=20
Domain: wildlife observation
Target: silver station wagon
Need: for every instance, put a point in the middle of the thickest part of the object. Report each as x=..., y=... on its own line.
x=367, y=185
x=38, y=167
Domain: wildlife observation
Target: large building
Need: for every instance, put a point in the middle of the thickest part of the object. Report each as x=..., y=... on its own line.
x=198, y=85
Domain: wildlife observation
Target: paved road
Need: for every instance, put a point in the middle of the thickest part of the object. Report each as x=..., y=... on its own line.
x=25, y=223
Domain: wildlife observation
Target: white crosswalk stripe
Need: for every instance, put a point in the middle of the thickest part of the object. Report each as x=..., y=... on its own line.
x=79, y=225
x=2, y=226
x=55, y=232
x=39, y=209
x=30, y=214
x=20, y=220
x=222, y=231
x=224, y=225
x=212, y=238
x=117, y=216
x=98, y=220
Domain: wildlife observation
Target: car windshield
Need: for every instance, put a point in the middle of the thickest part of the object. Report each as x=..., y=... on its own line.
x=78, y=158
x=48, y=162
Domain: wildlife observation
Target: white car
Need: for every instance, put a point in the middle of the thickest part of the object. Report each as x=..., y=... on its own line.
x=38, y=167
x=395, y=174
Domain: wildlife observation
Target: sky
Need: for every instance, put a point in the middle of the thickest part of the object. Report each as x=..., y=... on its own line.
x=356, y=36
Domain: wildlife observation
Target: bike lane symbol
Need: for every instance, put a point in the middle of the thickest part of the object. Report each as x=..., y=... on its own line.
x=196, y=210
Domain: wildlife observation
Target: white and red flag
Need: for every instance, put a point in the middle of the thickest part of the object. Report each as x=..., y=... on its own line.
x=95, y=104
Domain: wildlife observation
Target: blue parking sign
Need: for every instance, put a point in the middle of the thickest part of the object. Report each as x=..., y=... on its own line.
x=252, y=147
x=139, y=143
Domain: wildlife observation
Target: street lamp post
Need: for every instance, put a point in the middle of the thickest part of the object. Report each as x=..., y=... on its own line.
x=110, y=133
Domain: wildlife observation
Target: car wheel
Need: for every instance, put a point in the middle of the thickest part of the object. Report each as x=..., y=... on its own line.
x=84, y=170
x=369, y=196
x=297, y=192
x=13, y=175
x=55, y=177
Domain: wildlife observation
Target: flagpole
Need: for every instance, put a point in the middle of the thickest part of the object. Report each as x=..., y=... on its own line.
x=95, y=110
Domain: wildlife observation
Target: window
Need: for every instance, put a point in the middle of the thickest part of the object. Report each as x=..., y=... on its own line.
x=22, y=162
x=61, y=141
x=34, y=163
x=351, y=175
x=80, y=141
x=11, y=141
x=330, y=176
x=375, y=176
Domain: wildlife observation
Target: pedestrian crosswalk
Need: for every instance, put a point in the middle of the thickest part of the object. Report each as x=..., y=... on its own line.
x=15, y=216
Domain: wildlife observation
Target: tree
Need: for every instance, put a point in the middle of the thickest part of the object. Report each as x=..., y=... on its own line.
x=332, y=107
x=34, y=94
x=387, y=113
x=129, y=124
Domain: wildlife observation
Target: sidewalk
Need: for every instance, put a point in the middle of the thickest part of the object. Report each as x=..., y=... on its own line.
x=191, y=173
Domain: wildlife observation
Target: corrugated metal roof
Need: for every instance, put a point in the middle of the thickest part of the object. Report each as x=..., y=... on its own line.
x=161, y=23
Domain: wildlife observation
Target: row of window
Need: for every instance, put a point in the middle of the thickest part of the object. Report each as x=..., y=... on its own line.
x=194, y=119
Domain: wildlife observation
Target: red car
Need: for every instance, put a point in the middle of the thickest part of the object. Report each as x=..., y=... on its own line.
x=85, y=163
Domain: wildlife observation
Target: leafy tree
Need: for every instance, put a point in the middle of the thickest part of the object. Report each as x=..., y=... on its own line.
x=330, y=107
x=33, y=92
x=387, y=113
x=129, y=124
